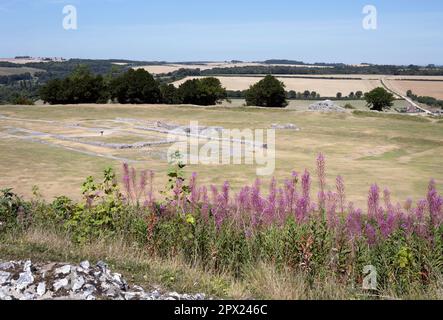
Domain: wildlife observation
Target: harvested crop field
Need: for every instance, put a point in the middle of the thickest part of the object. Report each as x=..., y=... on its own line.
x=326, y=87
x=421, y=88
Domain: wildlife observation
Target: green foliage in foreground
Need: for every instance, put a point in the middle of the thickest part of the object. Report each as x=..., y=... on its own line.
x=403, y=262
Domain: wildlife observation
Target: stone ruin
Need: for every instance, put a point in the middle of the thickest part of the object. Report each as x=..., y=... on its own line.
x=326, y=106
x=23, y=280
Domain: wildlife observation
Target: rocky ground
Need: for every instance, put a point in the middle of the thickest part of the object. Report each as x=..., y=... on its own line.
x=23, y=280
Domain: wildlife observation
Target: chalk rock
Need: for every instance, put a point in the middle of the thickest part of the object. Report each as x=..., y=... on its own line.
x=41, y=289
x=24, y=280
x=63, y=270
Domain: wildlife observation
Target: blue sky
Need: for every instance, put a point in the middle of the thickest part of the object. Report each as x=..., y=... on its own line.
x=409, y=31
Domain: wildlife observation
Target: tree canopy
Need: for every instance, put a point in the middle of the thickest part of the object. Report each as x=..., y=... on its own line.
x=135, y=86
x=269, y=92
x=205, y=91
x=379, y=99
x=80, y=87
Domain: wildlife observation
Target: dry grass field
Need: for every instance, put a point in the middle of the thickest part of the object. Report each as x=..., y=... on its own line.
x=421, y=88
x=326, y=87
x=401, y=153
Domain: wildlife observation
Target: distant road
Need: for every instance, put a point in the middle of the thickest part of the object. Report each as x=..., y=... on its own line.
x=384, y=83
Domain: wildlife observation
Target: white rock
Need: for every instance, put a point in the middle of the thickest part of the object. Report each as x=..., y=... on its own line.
x=4, y=277
x=85, y=265
x=41, y=289
x=4, y=294
x=24, y=280
x=131, y=295
x=60, y=284
x=102, y=265
x=6, y=266
x=174, y=295
x=28, y=296
x=155, y=294
x=78, y=283
x=27, y=266
x=63, y=270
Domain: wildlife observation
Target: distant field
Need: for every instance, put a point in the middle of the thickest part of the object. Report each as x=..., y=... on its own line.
x=326, y=87
x=396, y=152
x=22, y=61
x=421, y=88
x=6, y=71
x=166, y=68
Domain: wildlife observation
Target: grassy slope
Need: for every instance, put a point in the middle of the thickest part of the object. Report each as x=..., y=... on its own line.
x=393, y=151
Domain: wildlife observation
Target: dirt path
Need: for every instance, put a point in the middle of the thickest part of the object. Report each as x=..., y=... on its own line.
x=385, y=84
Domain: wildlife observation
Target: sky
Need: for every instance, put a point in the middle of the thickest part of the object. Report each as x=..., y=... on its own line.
x=408, y=31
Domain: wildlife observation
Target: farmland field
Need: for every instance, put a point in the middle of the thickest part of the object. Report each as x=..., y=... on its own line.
x=421, y=88
x=326, y=87
x=400, y=153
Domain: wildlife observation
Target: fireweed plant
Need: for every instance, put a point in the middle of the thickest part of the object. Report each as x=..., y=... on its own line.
x=321, y=236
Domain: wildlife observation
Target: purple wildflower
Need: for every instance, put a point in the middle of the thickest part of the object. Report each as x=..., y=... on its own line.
x=354, y=223
x=435, y=204
x=371, y=234
x=306, y=186
x=373, y=201
x=331, y=207
x=340, y=185
x=321, y=173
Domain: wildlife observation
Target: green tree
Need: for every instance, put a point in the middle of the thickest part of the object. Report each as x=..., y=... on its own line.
x=339, y=95
x=379, y=99
x=205, y=91
x=81, y=86
x=135, y=86
x=359, y=94
x=269, y=92
x=169, y=94
x=292, y=94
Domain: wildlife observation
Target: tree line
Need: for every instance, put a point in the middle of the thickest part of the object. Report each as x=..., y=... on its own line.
x=130, y=87
x=341, y=69
x=302, y=95
x=140, y=87
x=430, y=101
x=270, y=92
